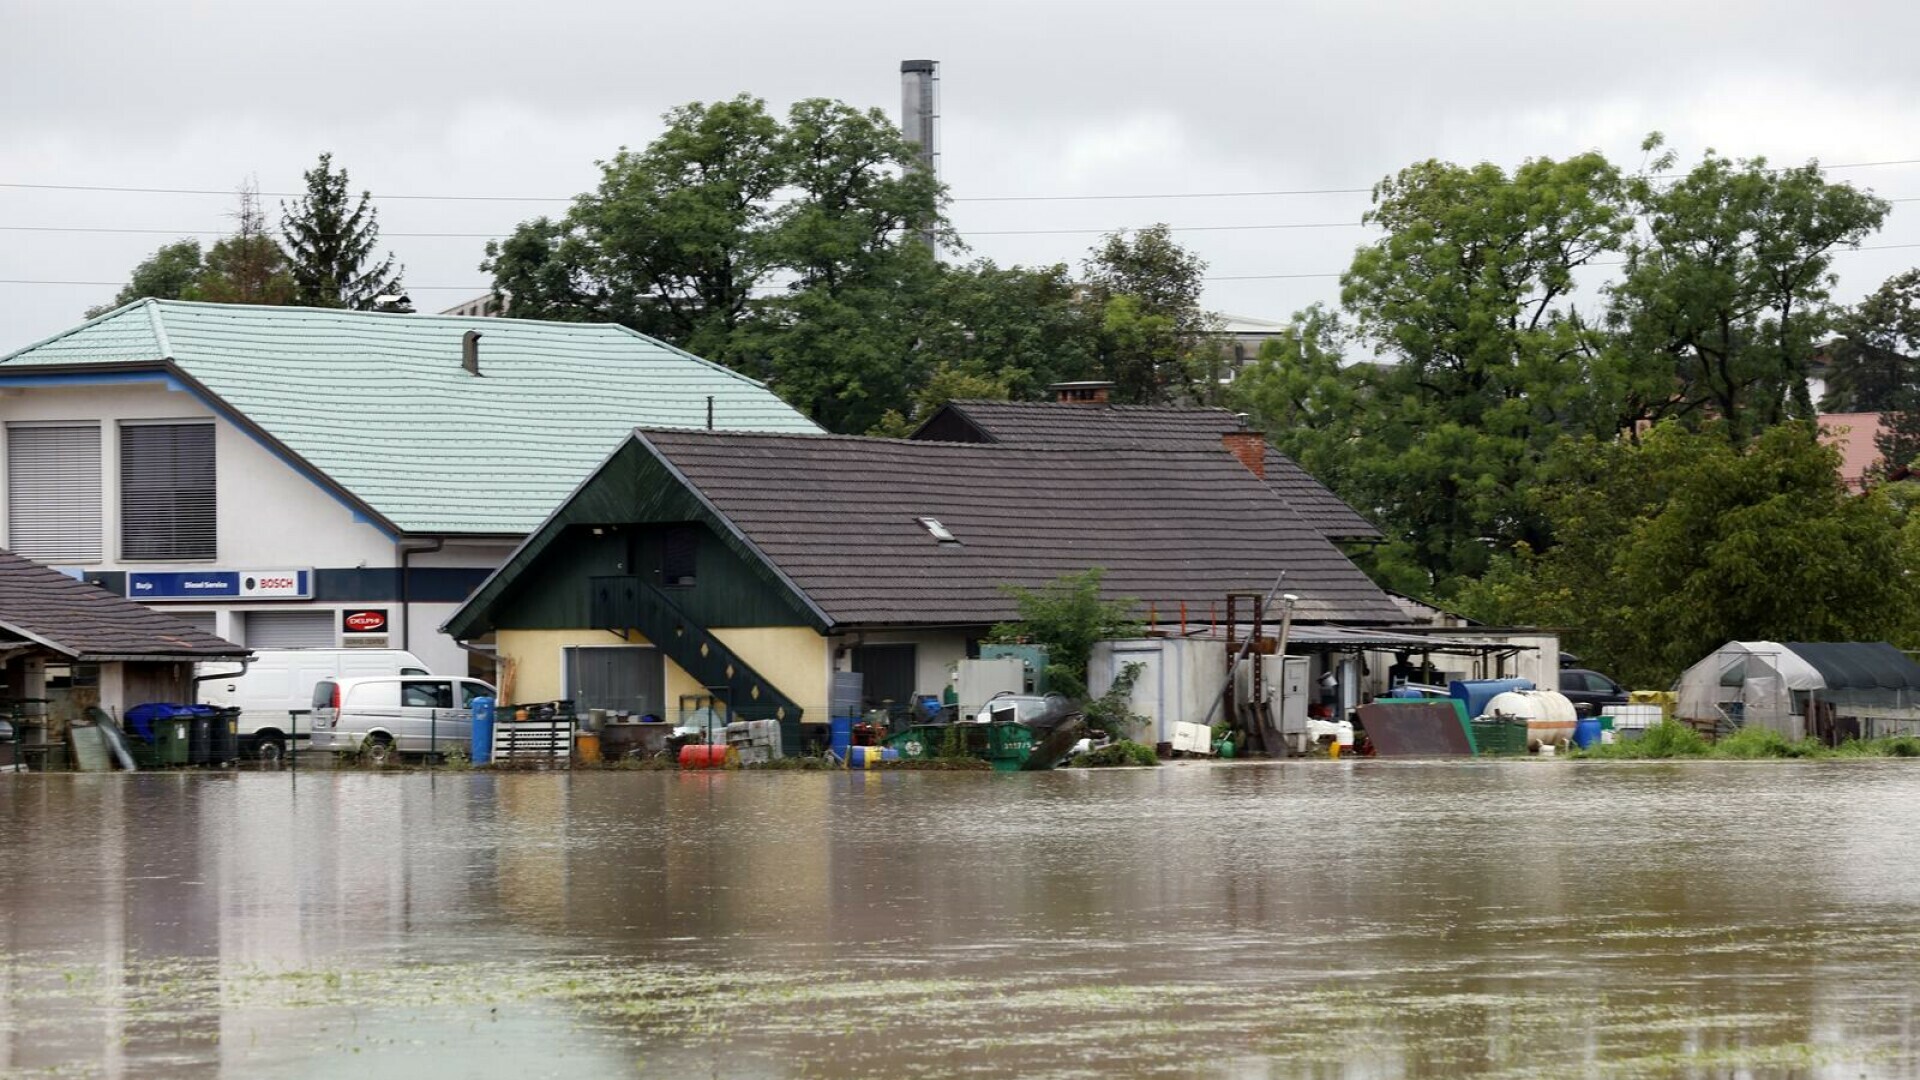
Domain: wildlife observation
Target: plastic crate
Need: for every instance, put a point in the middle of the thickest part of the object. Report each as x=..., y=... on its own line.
x=1498, y=737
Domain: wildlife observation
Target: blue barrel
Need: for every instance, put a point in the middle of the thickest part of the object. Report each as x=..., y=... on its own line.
x=839, y=736
x=866, y=757
x=1475, y=693
x=482, y=749
x=1586, y=732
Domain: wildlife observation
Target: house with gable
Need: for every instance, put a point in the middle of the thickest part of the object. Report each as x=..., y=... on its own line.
x=287, y=477
x=742, y=571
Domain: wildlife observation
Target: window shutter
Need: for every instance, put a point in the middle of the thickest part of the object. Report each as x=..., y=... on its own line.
x=167, y=504
x=53, y=492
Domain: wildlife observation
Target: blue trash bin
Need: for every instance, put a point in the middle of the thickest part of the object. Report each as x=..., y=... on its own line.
x=481, y=750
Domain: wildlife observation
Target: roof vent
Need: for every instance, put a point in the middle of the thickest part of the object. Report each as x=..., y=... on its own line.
x=470, y=352
x=940, y=532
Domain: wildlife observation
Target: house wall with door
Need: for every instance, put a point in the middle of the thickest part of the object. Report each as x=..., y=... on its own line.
x=934, y=655
x=534, y=664
x=108, y=478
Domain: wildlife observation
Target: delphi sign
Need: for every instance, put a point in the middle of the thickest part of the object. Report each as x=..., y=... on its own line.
x=364, y=621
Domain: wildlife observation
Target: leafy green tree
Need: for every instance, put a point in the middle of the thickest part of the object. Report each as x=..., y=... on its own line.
x=1155, y=340
x=1671, y=546
x=840, y=342
x=330, y=240
x=171, y=273
x=1069, y=617
x=1466, y=299
x=673, y=242
x=1725, y=295
x=1025, y=328
x=782, y=248
x=248, y=267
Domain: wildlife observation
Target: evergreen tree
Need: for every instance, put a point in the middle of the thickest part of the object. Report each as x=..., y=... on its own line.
x=330, y=241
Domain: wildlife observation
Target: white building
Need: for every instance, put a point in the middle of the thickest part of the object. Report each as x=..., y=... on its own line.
x=311, y=477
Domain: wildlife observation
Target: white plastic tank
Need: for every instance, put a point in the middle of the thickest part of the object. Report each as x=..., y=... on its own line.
x=1549, y=715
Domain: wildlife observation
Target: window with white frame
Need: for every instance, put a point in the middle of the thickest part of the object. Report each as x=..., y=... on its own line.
x=53, y=491
x=167, y=491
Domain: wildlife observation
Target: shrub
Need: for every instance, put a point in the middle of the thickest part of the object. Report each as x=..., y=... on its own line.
x=1124, y=752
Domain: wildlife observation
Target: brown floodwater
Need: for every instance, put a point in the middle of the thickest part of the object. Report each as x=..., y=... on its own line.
x=1314, y=920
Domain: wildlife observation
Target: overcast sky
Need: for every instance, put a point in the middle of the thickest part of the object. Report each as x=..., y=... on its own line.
x=1038, y=99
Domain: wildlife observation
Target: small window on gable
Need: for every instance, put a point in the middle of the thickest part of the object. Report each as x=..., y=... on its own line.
x=680, y=555
x=940, y=532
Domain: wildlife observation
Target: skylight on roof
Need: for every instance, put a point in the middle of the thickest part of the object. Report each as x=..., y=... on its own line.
x=940, y=532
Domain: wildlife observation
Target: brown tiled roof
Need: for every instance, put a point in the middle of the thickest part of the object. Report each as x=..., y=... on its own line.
x=40, y=604
x=1145, y=427
x=839, y=516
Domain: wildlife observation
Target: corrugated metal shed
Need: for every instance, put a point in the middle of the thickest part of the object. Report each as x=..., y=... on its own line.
x=380, y=405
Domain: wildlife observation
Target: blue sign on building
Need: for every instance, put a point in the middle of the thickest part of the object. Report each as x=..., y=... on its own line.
x=220, y=585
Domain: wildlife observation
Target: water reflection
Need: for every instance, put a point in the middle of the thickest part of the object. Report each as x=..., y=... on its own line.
x=1357, y=919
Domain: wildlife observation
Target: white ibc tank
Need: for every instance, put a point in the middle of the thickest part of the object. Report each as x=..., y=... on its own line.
x=1549, y=715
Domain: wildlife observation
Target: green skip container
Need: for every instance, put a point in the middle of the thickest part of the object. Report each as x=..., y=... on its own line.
x=1500, y=737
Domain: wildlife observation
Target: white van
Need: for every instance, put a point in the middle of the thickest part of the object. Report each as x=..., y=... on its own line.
x=388, y=715
x=279, y=683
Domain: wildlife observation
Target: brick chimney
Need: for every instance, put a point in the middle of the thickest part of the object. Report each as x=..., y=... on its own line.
x=1081, y=393
x=1250, y=447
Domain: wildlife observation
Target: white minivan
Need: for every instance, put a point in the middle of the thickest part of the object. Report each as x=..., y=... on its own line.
x=395, y=714
x=276, y=690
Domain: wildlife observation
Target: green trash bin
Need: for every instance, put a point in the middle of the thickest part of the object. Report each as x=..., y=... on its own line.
x=172, y=740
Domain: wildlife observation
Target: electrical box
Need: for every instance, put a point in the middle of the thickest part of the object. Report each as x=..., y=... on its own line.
x=1033, y=660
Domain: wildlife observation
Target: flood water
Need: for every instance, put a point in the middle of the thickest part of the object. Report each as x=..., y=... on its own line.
x=1314, y=919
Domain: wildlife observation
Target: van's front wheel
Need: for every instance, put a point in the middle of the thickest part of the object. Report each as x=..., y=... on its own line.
x=377, y=750
x=270, y=747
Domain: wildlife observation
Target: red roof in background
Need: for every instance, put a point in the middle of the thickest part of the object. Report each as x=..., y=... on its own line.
x=1853, y=434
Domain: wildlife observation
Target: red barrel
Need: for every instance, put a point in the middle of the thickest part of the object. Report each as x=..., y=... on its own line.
x=698, y=756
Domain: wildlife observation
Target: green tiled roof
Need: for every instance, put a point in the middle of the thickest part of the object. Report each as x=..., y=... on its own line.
x=380, y=405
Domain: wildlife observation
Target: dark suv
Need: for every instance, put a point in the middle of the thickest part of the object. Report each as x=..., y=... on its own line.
x=1590, y=691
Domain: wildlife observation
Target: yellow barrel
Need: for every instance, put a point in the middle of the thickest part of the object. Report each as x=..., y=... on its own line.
x=586, y=747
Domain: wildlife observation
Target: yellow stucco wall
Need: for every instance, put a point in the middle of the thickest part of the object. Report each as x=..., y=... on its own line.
x=793, y=658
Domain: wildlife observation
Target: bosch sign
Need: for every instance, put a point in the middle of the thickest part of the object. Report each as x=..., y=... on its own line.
x=364, y=621
x=221, y=585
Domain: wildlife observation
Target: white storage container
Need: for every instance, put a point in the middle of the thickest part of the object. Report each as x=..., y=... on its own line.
x=1549, y=715
x=1632, y=717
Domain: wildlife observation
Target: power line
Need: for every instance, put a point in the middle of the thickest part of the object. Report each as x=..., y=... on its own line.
x=87, y=229
x=476, y=289
x=958, y=199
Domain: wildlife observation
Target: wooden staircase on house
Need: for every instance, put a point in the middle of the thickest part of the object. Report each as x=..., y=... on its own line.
x=626, y=603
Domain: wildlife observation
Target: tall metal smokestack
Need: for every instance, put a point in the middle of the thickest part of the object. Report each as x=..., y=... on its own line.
x=919, y=118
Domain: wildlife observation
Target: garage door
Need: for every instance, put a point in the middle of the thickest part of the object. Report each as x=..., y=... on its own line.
x=290, y=629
